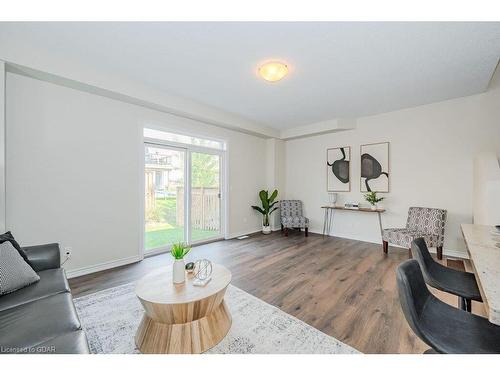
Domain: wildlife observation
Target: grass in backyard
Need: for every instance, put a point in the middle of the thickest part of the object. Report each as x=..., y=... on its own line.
x=165, y=237
x=165, y=232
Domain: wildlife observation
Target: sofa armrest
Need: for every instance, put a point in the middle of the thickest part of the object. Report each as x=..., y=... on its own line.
x=43, y=257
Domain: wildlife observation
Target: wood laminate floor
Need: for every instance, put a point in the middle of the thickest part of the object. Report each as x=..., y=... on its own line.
x=345, y=288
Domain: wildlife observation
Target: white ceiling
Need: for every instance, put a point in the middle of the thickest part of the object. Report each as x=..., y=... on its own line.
x=337, y=70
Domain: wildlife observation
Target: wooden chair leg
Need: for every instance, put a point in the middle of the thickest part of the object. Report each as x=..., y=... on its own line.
x=409, y=254
x=439, y=250
x=307, y=232
x=282, y=227
x=385, y=246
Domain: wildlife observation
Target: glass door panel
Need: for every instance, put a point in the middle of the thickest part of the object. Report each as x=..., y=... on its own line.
x=164, y=169
x=205, y=196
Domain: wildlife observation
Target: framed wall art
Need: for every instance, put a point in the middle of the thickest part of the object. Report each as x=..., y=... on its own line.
x=375, y=167
x=338, y=169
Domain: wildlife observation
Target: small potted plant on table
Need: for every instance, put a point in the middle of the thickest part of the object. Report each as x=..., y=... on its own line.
x=179, y=250
x=267, y=208
x=372, y=198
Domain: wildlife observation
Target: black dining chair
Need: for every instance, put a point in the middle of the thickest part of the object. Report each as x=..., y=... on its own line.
x=444, y=328
x=459, y=283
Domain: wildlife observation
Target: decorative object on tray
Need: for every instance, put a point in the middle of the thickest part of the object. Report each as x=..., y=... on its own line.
x=375, y=167
x=372, y=198
x=202, y=272
x=267, y=208
x=338, y=161
x=352, y=205
x=179, y=250
x=189, y=267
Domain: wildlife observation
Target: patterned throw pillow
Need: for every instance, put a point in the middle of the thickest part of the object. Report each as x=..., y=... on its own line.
x=15, y=273
x=7, y=236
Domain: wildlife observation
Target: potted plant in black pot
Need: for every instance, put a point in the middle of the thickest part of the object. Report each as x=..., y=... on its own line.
x=267, y=208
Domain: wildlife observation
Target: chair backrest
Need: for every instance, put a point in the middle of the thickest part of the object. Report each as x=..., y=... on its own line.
x=427, y=220
x=413, y=294
x=290, y=208
x=421, y=254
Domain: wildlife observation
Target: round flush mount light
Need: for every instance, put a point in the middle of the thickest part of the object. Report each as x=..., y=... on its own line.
x=273, y=71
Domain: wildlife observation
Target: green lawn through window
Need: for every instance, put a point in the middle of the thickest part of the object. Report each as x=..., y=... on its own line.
x=164, y=231
x=164, y=237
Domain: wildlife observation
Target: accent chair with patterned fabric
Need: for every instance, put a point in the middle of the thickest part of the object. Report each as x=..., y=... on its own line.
x=423, y=222
x=291, y=216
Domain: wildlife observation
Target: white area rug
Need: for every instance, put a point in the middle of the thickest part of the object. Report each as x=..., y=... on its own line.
x=111, y=317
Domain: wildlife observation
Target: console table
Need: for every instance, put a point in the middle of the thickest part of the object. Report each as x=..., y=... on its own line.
x=329, y=210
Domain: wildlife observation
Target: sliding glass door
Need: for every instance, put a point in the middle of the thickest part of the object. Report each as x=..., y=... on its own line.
x=164, y=173
x=205, y=196
x=183, y=195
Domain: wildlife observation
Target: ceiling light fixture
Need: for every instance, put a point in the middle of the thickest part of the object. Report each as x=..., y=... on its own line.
x=273, y=71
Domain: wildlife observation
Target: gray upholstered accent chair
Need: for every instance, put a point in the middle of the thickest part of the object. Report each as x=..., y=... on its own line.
x=291, y=216
x=427, y=223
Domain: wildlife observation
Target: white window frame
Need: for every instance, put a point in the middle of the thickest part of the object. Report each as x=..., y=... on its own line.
x=188, y=149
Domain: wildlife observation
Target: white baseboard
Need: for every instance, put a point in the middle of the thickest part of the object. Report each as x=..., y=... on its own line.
x=136, y=258
x=243, y=233
x=447, y=252
x=102, y=266
x=158, y=251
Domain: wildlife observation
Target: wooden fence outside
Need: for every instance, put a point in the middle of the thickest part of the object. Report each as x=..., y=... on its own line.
x=205, y=208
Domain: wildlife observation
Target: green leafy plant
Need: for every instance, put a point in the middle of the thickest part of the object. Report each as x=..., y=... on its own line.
x=267, y=205
x=179, y=250
x=372, y=198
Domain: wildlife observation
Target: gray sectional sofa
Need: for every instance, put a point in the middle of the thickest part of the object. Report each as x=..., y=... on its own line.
x=41, y=317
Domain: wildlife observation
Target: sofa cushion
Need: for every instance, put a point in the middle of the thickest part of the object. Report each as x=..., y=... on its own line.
x=15, y=272
x=70, y=343
x=51, y=282
x=34, y=323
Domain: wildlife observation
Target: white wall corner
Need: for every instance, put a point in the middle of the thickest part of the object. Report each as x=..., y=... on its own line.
x=275, y=173
x=2, y=146
x=323, y=127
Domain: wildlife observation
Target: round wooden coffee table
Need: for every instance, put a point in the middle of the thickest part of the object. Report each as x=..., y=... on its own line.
x=182, y=318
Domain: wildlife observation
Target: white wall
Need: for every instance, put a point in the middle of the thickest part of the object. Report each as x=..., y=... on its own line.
x=2, y=146
x=73, y=170
x=486, y=189
x=431, y=156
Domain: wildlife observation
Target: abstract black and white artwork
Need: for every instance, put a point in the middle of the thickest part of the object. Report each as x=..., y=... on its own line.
x=338, y=162
x=375, y=167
